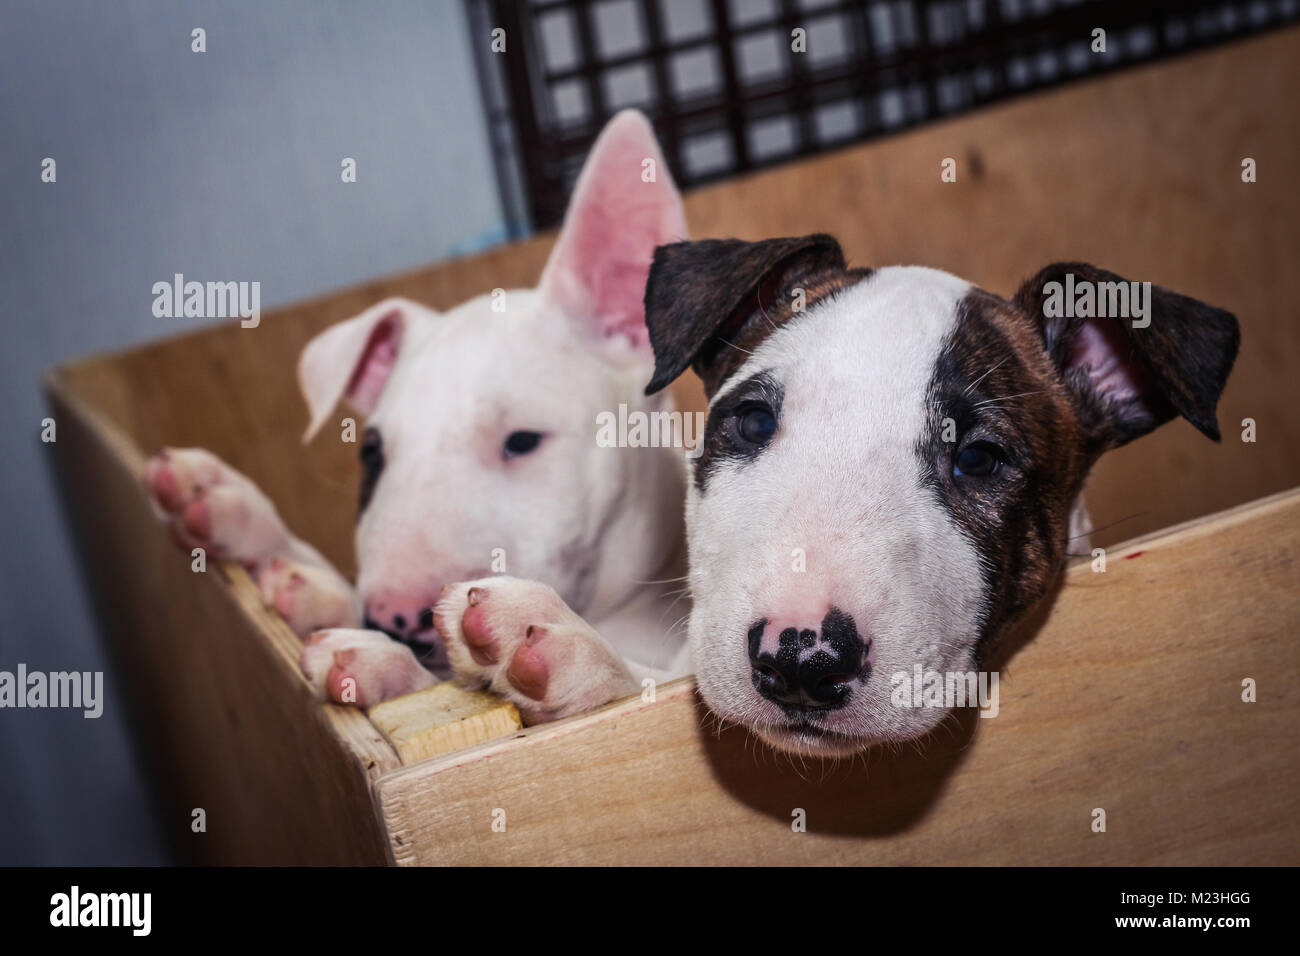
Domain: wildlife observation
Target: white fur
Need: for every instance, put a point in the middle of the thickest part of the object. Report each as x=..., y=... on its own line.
x=840, y=483
x=602, y=526
x=447, y=500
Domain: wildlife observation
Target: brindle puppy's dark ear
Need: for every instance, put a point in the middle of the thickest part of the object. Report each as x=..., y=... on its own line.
x=709, y=303
x=1130, y=375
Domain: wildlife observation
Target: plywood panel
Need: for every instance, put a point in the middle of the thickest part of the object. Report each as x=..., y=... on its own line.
x=221, y=714
x=1127, y=699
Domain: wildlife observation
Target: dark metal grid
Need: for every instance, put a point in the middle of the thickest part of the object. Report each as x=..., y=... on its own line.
x=905, y=62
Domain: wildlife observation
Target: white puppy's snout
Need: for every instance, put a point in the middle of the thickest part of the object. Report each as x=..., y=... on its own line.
x=406, y=610
x=400, y=612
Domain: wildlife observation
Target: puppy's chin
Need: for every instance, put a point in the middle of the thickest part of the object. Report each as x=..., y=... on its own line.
x=736, y=705
x=808, y=740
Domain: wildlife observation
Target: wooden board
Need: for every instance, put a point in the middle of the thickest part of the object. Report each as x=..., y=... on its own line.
x=443, y=718
x=1128, y=699
x=222, y=716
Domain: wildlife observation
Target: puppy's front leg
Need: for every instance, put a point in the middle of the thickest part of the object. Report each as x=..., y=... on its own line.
x=519, y=639
x=363, y=668
x=210, y=505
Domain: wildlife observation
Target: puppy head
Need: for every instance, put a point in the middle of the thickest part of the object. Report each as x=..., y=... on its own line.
x=477, y=450
x=890, y=459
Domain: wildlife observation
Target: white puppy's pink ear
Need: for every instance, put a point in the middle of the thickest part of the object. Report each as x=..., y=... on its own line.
x=623, y=206
x=352, y=360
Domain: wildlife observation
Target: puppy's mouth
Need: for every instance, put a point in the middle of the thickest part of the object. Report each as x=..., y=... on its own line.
x=810, y=739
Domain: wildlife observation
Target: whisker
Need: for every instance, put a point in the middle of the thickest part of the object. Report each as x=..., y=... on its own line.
x=972, y=385
x=762, y=310
x=1085, y=534
x=664, y=581
x=677, y=623
x=735, y=346
x=1007, y=398
x=668, y=610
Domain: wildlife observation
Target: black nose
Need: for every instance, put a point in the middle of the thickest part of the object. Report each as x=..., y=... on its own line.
x=810, y=671
x=370, y=624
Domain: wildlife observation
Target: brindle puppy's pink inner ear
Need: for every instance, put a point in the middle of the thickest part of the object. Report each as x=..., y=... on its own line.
x=709, y=303
x=1129, y=375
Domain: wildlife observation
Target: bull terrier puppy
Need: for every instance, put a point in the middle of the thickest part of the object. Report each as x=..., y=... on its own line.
x=479, y=449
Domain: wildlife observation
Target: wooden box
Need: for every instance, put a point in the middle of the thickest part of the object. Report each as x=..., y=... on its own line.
x=1125, y=693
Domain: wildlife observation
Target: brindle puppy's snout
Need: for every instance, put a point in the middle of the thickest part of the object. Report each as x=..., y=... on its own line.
x=810, y=671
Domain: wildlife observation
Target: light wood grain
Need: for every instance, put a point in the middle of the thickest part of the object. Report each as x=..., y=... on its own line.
x=1127, y=699
x=443, y=718
x=225, y=721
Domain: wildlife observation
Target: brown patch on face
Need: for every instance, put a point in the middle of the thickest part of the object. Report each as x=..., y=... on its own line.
x=996, y=386
x=711, y=303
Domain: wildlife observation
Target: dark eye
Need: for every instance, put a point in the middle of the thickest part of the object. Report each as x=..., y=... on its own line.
x=755, y=424
x=978, y=460
x=521, y=443
x=372, y=463
x=372, y=452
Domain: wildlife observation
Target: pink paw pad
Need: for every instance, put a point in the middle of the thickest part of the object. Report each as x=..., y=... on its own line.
x=287, y=595
x=196, y=519
x=529, y=672
x=163, y=483
x=341, y=683
x=477, y=629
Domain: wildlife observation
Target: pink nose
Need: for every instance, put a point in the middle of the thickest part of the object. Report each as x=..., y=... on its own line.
x=400, y=611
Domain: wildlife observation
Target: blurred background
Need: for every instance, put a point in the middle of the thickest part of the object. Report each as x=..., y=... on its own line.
x=225, y=164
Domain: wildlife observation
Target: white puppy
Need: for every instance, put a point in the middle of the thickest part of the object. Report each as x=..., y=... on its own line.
x=480, y=455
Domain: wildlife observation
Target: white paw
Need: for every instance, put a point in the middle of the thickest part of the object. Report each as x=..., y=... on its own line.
x=308, y=597
x=361, y=668
x=210, y=505
x=519, y=639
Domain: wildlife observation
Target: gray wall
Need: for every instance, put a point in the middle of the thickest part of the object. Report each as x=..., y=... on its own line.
x=221, y=165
